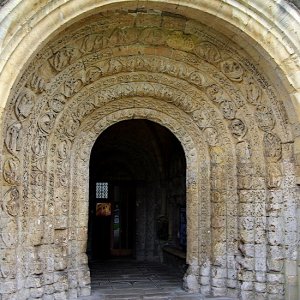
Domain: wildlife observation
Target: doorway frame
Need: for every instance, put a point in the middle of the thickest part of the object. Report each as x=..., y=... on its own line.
x=196, y=157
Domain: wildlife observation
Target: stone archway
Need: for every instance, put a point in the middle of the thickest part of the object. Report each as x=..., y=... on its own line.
x=137, y=175
x=121, y=65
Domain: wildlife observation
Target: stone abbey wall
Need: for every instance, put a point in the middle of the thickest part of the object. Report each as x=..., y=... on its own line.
x=230, y=115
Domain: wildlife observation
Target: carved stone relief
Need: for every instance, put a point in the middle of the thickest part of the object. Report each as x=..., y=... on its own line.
x=273, y=148
x=204, y=93
x=208, y=51
x=11, y=170
x=24, y=104
x=13, y=138
x=232, y=69
x=11, y=202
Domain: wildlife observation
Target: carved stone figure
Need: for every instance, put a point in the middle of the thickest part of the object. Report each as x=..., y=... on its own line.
x=232, y=69
x=84, y=109
x=179, y=40
x=92, y=74
x=9, y=237
x=274, y=175
x=63, y=149
x=215, y=93
x=36, y=83
x=208, y=51
x=72, y=86
x=73, y=125
x=13, y=138
x=57, y=102
x=46, y=122
x=24, y=104
x=238, y=128
x=93, y=42
x=123, y=36
x=243, y=151
x=153, y=36
x=62, y=58
x=253, y=92
x=201, y=117
x=228, y=109
x=11, y=170
x=265, y=118
x=273, y=148
x=11, y=202
x=211, y=136
x=197, y=78
x=39, y=145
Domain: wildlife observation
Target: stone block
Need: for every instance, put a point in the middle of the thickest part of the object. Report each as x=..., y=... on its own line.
x=275, y=238
x=260, y=287
x=84, y=278
x=8, y=287
x=246, y=209
x=275, y=278
x=260, y=250
x=72, y=279
x=219, y=260
x=219, y=272
x=37, y=292
x=260, y=277
x=205, y=289
x=47, y=278
x=72, y=293
x=60, y=263
x=231, y=274
x=276, y=252
x=247, y=236
x=218, y=282
x=204, y=280
x=275, y=288
x=260, y=264
x=247, y=263
x=11, y=297
x=60, y=296
x=232, y=284
x=33, y=282
x=205, y=269
x=246, y=276
x=49, y=289
x=247, y=295
x=219, y=235
x=219, y=291
x=291, y=268
x=231, y=262
x=275, y=265
x=85, y=291
x=260, y=296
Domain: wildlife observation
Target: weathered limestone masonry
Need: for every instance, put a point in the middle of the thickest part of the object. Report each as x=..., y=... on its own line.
x=224, y=78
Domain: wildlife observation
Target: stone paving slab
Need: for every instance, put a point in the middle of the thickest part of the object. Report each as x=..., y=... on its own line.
x=132, y=280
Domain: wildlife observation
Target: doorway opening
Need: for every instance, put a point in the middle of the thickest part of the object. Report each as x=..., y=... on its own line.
x=137, y=199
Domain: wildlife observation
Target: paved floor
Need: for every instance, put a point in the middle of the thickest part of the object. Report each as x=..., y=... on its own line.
x=132, y=280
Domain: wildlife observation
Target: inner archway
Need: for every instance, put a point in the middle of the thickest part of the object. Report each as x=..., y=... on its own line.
x=137, y=194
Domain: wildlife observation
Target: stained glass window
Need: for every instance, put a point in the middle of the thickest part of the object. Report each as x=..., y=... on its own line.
x=101, y=190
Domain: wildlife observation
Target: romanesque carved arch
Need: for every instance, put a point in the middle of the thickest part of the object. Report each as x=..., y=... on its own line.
x=189, y=76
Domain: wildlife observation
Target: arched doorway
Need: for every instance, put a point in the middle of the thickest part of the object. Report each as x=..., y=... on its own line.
x=137, y=193
x=219, y=98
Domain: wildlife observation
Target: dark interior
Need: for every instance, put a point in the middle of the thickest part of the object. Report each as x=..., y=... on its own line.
x=137, y=192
